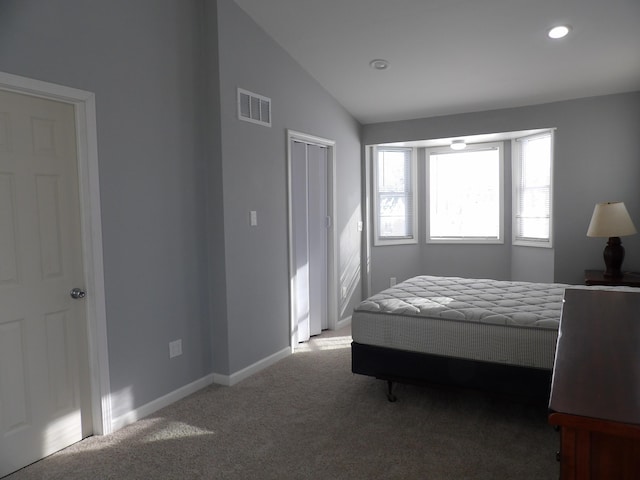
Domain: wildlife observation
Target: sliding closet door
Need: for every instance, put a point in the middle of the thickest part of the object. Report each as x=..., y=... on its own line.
x=310, y=222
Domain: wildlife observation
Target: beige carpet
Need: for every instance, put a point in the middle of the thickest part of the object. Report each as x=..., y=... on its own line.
x=309, y=417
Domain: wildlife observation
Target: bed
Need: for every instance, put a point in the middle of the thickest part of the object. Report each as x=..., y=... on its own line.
x=479, y=333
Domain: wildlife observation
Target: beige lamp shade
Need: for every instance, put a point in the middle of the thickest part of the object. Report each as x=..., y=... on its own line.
x=610, y=219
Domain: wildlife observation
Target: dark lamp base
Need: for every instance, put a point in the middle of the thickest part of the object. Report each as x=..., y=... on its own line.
x=613, y=256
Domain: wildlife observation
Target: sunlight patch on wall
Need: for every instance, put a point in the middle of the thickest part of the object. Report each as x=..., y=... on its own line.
x=122, y=403
x=349, y=261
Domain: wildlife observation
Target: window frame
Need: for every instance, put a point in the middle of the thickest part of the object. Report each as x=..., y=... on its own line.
x=406, y=240
x=499, y=146
x=516, y=168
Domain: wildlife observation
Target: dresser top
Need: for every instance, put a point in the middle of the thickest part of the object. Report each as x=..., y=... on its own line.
x=597, y=366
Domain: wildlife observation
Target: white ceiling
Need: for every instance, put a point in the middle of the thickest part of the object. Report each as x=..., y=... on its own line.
x=455, y=56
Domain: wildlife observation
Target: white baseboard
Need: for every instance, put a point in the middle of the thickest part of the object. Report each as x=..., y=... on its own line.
x=230, y=380
x=168, y=399
x=158, y=403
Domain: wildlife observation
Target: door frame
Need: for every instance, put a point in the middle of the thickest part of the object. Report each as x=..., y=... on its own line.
x=333, y=313
x=91, y=233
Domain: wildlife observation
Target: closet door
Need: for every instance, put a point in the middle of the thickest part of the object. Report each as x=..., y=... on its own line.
x=317, y=231
x=310, y=223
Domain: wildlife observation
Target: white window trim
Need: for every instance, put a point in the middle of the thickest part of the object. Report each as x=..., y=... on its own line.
x=377, y=241
x=515, y=169
x=466, y=240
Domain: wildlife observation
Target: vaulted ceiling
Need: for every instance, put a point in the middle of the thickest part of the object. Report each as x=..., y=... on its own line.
x=454, y=56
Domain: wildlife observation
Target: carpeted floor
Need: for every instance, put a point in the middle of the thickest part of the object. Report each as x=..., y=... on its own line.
x=309, y=417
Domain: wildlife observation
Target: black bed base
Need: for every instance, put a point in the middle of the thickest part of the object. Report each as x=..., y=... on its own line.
x=403, y=366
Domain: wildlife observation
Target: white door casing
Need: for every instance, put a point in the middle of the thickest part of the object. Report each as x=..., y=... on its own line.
x=23, y=334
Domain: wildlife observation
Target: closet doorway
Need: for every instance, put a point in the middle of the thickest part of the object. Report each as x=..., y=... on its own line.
x=311, y=235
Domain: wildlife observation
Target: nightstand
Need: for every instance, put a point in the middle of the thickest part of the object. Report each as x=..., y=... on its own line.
x=596, y=277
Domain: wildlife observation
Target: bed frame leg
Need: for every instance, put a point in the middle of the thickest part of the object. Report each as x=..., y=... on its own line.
x=390, y=395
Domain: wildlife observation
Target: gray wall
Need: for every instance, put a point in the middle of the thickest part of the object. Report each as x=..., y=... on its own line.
x=254, y=178
x=142, y=60
x=597, y=158
x=179, y=174
x=211, y=134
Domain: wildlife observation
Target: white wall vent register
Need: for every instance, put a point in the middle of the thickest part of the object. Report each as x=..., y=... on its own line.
x=254, y=108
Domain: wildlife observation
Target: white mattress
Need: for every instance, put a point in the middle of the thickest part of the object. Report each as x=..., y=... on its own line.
x=513, y=323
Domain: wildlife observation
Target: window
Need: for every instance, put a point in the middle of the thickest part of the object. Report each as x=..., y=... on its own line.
x=394, y=187
x=532, y=167
x=465, y=195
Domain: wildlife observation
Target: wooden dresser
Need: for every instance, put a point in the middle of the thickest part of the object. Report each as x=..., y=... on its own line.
x=595, y=394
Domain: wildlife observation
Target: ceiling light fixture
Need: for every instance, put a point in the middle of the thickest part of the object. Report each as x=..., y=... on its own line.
x=458, y=145
x=379, y=64
x=559, y=31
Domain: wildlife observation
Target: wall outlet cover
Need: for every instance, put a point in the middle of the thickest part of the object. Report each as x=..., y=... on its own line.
x=175, y=348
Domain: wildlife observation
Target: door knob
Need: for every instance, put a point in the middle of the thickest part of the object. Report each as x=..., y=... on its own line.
x=77, y=293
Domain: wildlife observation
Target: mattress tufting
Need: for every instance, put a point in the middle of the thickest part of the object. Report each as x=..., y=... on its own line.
x=473, y=300
x=513, y=323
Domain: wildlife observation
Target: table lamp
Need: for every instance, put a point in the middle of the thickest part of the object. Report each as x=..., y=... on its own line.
x=611, y=219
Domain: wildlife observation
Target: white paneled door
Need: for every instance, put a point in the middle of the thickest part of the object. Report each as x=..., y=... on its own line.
x=42, y=328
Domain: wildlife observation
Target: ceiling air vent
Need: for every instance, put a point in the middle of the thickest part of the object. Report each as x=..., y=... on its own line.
x=254, y=108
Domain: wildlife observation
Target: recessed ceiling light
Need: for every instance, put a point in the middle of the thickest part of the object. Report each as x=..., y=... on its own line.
x=458, y=145
x=379, y=64
x=559, y=31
